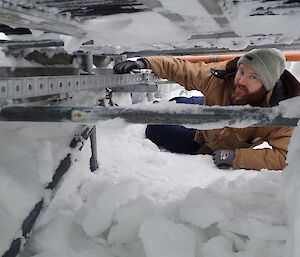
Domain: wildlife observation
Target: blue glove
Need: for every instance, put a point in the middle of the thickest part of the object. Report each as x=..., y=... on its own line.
x=223, y=158
x=127, y=66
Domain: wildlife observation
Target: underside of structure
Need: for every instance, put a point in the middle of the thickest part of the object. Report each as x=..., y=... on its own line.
x=112, y=26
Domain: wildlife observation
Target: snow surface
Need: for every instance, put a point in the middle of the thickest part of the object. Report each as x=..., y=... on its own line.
x=144, y=201
x=28, y=158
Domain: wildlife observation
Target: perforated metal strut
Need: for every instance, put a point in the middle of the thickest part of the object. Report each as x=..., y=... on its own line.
x=24, y=87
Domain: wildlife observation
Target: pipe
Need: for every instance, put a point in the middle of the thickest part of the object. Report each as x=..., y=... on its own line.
x=183, y=114
x=290, y=57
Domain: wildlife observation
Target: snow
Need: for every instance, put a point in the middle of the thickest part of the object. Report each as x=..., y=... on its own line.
x=240, y=18
x=161, y=237
x=130, y=30
x=291, y=191
x=11, y=61
x=22, y=178
x=295, y=69
x=204, y=207
x=174, y=24
x=96, y=216
x=217, y=246
x=290, y=108
x=144, y=201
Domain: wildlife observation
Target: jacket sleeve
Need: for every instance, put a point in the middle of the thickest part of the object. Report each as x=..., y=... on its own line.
x=189, y=75
x=271, y=159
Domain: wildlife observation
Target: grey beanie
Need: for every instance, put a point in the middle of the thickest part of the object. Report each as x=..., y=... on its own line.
x=268, y=64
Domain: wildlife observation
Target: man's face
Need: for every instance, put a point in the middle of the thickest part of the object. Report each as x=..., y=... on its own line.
x=247, y=88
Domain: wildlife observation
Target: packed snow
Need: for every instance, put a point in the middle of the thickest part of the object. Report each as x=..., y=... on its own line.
x=144, y=201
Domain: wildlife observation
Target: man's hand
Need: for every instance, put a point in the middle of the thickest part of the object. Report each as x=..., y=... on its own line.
x=223, y=158
x=127, y=66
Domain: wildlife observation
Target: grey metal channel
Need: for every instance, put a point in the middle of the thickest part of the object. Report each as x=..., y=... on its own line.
x=24, y=87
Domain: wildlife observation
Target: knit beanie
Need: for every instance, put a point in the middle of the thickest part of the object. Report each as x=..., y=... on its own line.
x=268, y=64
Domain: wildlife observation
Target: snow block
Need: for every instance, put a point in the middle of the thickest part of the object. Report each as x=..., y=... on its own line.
x=203, y=207
x=96, y=217
x=161, y=237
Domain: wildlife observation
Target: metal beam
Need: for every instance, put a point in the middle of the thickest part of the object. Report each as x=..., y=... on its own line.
x=202, y=50
x=31, y=44
x=289, y=56
x=205, y=116
x=24, y=87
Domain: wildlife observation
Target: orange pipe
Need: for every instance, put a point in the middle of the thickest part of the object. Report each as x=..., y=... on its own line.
x=290, y=57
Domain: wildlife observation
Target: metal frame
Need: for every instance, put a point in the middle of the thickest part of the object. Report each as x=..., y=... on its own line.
x=24, y=87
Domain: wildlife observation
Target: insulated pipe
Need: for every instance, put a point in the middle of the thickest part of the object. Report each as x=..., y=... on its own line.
x=290, y=57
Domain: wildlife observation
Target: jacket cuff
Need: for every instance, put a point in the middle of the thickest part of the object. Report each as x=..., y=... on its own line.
x=145, y=62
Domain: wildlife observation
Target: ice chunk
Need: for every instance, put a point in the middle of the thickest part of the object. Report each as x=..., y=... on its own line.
x=203, y=207
x=218, y=246
x=60, y=235
x=129, y=218
x=263, y=249
x=254, y=228
x=96, y=217
x=161, y=237
x=132, y=249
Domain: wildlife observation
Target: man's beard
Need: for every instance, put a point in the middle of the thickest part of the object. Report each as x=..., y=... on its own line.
x=253, y=99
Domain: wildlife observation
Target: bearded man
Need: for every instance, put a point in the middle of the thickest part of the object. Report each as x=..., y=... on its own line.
x=257, y=78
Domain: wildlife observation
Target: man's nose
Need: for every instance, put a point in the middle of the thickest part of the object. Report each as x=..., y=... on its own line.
x=243, y=80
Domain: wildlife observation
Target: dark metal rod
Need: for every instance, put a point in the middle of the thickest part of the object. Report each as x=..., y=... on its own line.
x=41, y=114
x=136, y=88
x=93, y=160
x=167, y=114
x=14, y=248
